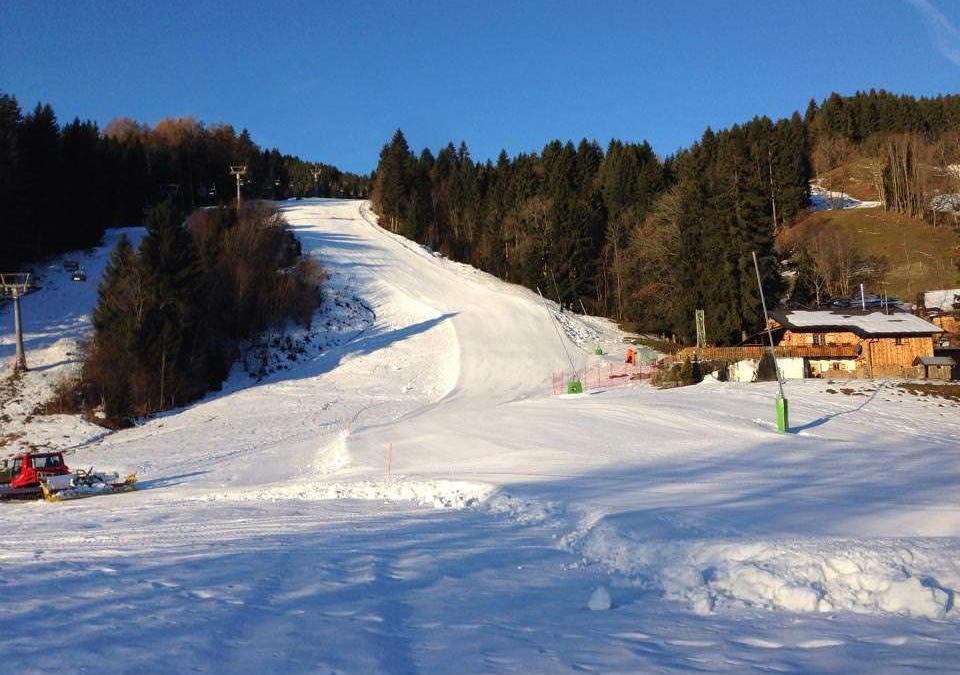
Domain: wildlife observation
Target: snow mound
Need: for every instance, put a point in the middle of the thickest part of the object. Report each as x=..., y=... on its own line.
x=915, y=578
x=521, y=510
x=443, y=494
x=600, y=600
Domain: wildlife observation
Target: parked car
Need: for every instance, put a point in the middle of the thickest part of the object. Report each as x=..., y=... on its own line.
x=79, y=275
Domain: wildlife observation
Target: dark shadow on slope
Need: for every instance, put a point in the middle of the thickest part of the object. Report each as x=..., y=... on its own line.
x=826, y=418
x=360, y=592
x=781, y=488
x=73, y=324
x=368, y=342
x=50, y=366
x=168, y=481
x=315, y=242
x=400, y=591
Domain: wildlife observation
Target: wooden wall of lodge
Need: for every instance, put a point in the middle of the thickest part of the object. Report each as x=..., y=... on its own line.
x=876, y=353
x=948, y=323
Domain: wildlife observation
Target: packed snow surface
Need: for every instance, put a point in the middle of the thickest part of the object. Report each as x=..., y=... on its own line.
x=411, y=497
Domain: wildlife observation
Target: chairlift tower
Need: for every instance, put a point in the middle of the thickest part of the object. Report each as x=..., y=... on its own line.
x=316, y=181
x=238, y=170
x=15, y=286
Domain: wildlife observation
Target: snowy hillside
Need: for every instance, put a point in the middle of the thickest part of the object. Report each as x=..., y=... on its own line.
x=55, y=320
x=822, y=199
x=412, y=497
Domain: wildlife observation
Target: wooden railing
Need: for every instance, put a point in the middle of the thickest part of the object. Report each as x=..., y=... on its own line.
x=845, y=351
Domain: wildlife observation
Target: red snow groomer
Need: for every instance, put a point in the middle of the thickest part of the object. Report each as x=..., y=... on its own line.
x=32, y=475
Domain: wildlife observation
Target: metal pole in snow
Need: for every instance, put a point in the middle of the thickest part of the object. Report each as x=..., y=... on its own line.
x=782, y=414
x=559, y=336
x=863, y=299
x=557, y=289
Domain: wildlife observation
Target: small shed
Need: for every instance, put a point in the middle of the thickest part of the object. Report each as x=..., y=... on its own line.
x=935, y=367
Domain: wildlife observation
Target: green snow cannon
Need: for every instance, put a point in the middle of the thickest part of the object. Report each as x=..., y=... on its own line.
x=783, y=415
x=598, y=351
x=574, y=387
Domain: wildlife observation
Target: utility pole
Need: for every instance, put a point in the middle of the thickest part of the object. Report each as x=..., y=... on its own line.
x=15, y=286
x=238, y=170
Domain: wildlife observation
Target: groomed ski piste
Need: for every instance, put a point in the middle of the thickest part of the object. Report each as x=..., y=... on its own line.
x=410, y=496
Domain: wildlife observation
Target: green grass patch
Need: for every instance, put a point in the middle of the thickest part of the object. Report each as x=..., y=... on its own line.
x=921, y=256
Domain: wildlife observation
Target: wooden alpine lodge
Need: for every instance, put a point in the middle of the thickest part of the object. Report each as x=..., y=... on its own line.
x=839, y=343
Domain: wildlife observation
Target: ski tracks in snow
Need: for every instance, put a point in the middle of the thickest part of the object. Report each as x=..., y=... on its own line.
x=284, y=516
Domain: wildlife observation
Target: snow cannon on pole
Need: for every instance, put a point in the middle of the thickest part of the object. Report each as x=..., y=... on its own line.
x=783, y=408
x=574, y=385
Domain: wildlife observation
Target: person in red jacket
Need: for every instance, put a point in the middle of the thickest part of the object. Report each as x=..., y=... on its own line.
x=631, y=357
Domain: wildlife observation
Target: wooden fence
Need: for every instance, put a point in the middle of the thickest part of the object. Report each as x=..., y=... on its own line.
x=604, y=376
x=843, y=351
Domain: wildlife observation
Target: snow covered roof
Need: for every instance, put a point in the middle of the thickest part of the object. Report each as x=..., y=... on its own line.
x=861, y=323
x=942, y=300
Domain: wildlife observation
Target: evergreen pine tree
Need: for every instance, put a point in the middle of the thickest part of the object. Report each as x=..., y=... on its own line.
x=10, y=217
x=170, y=341
x=112, y=360
x=40, y=172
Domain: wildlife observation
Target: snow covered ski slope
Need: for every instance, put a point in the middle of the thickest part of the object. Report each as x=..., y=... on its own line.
x=412, y=498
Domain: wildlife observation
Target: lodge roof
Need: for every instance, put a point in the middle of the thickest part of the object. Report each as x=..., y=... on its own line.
x=861, y=323
x=937, y=361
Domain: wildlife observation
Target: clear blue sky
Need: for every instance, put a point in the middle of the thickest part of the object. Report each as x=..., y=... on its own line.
x=330, y=81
